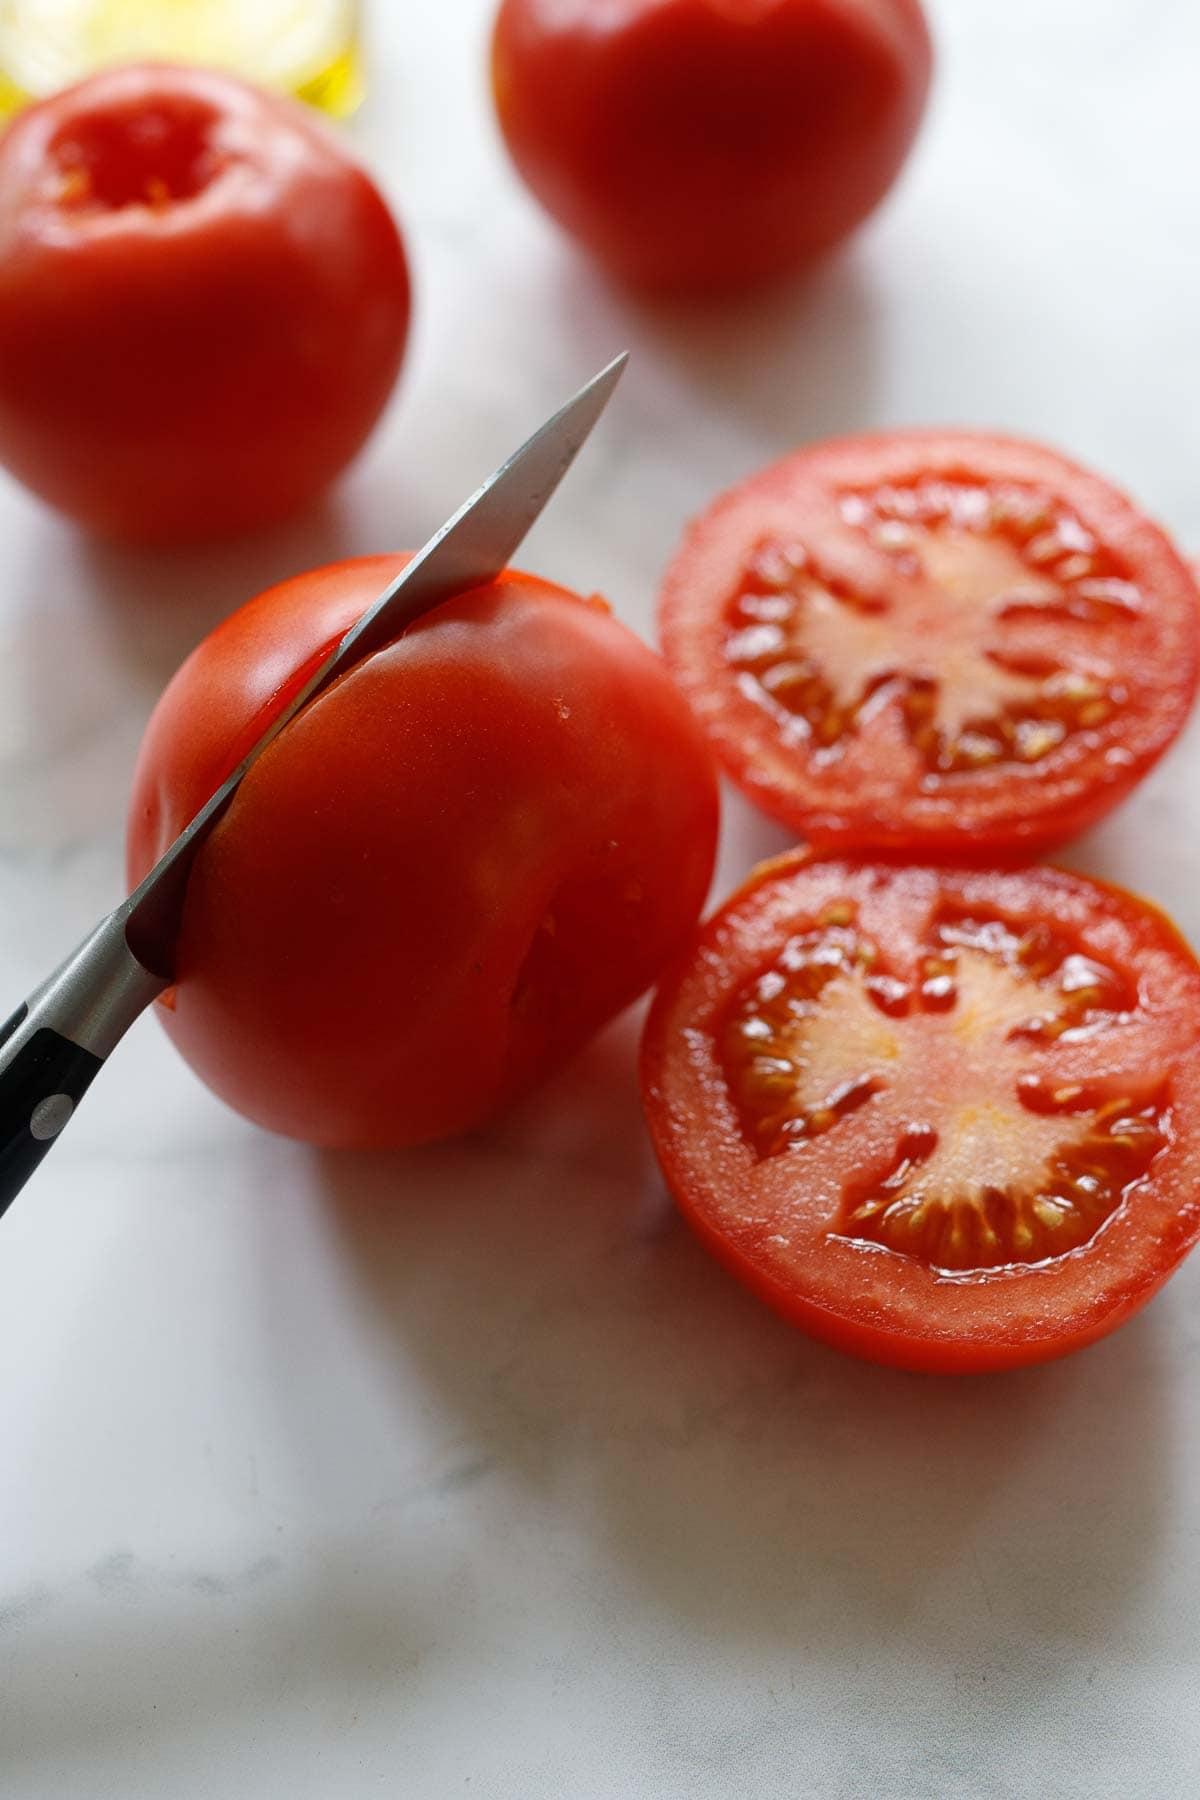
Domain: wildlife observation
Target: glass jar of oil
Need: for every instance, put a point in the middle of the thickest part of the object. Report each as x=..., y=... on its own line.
x=304, y=47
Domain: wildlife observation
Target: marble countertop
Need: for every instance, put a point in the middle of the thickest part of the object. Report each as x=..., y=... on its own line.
x=466, y=1472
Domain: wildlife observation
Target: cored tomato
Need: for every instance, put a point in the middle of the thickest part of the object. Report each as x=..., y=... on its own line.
x=706, y=144
x=942, y=1118
x=934, y=641
x=203, y=303
x=448, y=871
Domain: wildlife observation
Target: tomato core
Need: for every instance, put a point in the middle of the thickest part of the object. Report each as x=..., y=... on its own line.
x=136, y=155
x=996, y=642
x=1012, y=1172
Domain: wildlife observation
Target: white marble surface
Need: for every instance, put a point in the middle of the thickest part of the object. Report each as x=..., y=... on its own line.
x=466, y=1473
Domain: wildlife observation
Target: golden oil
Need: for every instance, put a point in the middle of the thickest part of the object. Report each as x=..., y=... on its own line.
x=310, y=48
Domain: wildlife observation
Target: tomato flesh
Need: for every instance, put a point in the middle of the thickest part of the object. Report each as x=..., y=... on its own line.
x=941, y=1118
x=939, y=641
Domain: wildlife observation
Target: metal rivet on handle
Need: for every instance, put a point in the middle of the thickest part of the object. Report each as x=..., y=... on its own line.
x=50, y=1115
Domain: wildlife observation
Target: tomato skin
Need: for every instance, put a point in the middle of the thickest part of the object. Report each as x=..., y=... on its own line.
x=203, y=304
x=883, y=1308
x=872, y=800
x=692, y=144
x=448, y=872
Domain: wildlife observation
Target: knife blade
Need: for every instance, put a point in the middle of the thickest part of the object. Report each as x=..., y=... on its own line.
x=471, y=548
x=56, y=1042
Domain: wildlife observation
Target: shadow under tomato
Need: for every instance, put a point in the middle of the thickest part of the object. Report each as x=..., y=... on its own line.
x=753, y=1486
x=158, y=603
x=788, y=363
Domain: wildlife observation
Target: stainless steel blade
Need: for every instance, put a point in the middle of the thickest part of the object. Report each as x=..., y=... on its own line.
x=470, y=548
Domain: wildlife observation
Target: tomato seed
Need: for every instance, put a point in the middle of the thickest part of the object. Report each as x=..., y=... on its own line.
x=1029, y=706
x=781, y=1055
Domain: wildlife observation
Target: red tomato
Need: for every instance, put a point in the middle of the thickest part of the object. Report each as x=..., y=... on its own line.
x=203, y=303
x=707, y=144
x=449, y=871
x=934, y=641
x=940, y=1118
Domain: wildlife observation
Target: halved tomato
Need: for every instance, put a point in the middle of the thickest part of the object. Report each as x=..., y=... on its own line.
x=943, y=1118
x=941, y=642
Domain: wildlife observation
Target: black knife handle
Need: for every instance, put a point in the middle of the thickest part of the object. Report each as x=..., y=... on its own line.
x=52, y=1047
x=39, y=1090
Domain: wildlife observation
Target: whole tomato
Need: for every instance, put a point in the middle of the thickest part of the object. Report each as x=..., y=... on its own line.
x=448, y=871
x=709, y=143
x=203, y=303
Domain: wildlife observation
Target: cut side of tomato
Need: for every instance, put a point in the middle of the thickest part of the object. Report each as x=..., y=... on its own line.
x=942, y=642
x=943, y=1118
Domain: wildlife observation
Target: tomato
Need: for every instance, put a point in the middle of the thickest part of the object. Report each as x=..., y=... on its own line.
x=450, y=869
x=203, y=303
x=937, y=641
x=943, y=1118
x=706, y=144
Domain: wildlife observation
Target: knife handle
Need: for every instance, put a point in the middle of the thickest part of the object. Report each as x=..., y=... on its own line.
x=39, y=1090
x=54, y=1045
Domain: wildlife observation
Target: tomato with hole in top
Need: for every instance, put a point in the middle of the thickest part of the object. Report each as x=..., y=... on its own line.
x=709, y=144
x=938, y=642
x=203, y=303
x=450, y=869
x=943, y=1118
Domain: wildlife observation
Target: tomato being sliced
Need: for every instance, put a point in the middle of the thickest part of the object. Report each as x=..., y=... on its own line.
x=935, y=641
x=456, y=864
x=943, y=1118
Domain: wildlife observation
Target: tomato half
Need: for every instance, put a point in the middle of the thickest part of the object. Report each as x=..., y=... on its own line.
x=709, y=143
x=942, y=1118
x=447, y=872
x=203, y=303
x=938, y=641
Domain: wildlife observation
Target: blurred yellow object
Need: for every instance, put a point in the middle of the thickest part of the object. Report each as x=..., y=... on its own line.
x=306, y=47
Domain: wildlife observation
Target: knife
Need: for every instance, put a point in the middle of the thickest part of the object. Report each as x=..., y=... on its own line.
x=54, y=1045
